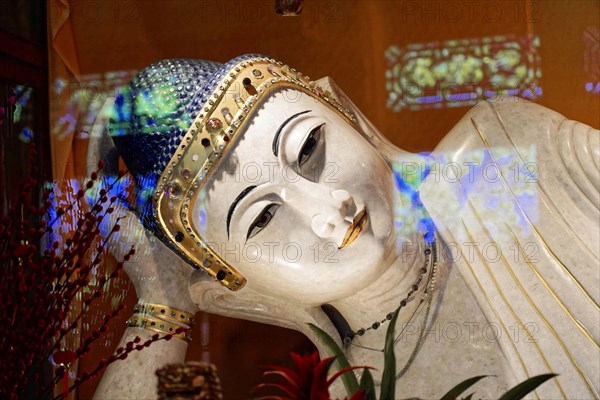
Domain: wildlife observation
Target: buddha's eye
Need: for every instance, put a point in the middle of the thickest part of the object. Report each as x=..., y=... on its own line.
x=309, y=145
x=262, y=220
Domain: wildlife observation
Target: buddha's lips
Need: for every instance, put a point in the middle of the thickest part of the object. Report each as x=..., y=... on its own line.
x=358, y=223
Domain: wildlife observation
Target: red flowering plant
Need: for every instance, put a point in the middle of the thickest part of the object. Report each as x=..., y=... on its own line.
x=308, y=381
x=49, y=283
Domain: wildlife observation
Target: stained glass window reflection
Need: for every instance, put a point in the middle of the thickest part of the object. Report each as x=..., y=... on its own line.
x=459, y=73
x=85, y=99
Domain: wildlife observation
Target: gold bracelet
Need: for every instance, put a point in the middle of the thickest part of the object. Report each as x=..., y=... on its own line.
x=159, y=325
x=166, y=313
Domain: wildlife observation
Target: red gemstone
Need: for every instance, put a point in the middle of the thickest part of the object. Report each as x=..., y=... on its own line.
x=214, y=125
x=249, y=87
x=226, y=138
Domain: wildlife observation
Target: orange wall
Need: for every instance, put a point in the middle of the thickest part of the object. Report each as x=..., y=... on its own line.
x=345, y=39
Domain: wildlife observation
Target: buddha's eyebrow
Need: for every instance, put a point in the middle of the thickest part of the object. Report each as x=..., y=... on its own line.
x=278, y=133
x=235, y=203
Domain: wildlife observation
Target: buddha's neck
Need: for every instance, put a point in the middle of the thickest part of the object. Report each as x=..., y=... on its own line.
x=375, y=301
x=383, y=296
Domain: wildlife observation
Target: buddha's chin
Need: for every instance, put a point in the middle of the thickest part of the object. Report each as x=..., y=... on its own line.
x=372, y=250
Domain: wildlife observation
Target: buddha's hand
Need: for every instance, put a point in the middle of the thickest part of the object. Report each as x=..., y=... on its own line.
x=158, y=275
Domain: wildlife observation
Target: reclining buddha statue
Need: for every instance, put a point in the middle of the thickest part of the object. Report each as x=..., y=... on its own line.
x=264, y=195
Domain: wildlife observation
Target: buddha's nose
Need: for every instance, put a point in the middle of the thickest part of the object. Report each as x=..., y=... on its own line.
x=335, y=210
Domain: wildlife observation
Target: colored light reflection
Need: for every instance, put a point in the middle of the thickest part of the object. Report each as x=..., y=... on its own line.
x=458, y=73
x=481, y=179
x=83, y=101
x=591, y=41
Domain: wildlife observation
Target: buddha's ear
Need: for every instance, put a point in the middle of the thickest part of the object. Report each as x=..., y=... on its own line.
x=247, y=303
x=368, y=130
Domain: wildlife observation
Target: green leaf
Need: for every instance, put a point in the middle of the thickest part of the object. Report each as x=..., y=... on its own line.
x=341, y=362
x=344, y=371
x=469, y=397
x=368, y=385
x=388, y=378
x=524, y=388
x=461, y=387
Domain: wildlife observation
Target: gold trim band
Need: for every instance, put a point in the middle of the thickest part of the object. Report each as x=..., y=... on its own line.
x=166, y=313
x=159, y=325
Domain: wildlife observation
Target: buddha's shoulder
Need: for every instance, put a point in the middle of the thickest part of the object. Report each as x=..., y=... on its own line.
x=515, y=122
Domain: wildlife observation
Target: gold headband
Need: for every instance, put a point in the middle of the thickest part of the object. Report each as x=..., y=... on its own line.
x=207, y=140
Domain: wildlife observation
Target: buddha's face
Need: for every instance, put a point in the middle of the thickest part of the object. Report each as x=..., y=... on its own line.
x=301, y=204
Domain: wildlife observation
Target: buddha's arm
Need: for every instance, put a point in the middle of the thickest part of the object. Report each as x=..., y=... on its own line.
x=134, y=377
x=159, y=277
